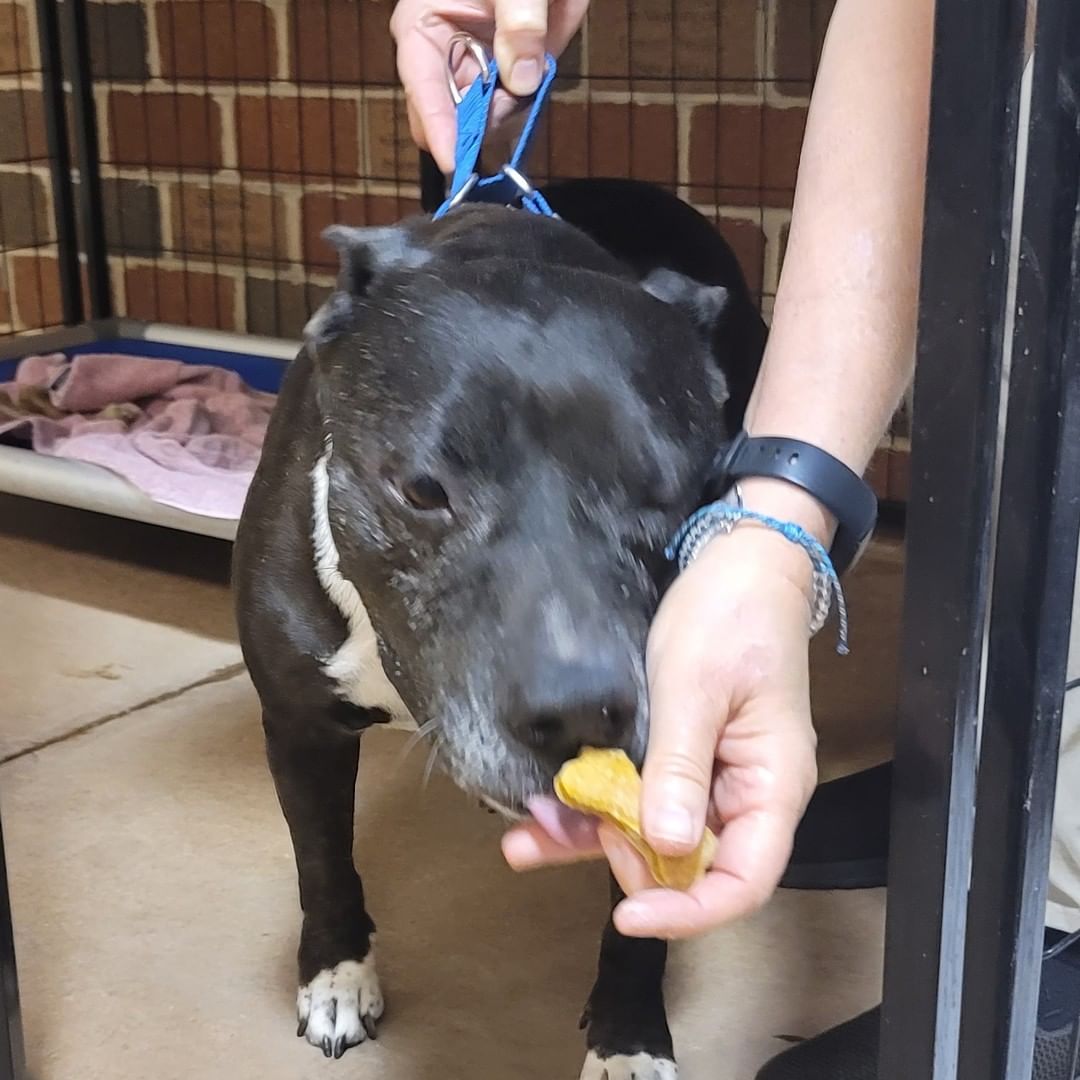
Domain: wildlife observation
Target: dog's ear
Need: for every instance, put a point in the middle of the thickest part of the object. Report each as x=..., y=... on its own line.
x=365, y=253
x=705, y=304
x=732, y=328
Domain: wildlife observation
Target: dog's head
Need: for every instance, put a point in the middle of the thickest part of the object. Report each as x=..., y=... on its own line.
x=517, y=425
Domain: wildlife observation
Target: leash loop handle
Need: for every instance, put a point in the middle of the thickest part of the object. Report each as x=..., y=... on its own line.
x=509, y=185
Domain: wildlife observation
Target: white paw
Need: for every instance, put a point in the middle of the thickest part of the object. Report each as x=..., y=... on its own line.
x=628, y=1067
x=340, y=1006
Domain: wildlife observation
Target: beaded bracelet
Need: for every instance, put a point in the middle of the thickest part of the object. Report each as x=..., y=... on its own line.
x=720, y=518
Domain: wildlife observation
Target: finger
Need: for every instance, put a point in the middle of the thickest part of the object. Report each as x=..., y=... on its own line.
x=507, y=114
x=520, y=38
x=751, y=854
x=416, y=129
x=564, y=20
x=627, y=865
x=421, y=62
x=685, y=723
x=527, y=846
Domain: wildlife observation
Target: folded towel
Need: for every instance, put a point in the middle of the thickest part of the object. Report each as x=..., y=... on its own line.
x=187, y=435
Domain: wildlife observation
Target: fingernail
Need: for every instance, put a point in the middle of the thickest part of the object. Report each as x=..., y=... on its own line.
x=674, y=823
x=525, y=76
x=631, y=915
x=521, y=851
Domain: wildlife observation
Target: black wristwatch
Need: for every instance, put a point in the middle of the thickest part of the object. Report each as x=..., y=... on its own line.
x=846, y=496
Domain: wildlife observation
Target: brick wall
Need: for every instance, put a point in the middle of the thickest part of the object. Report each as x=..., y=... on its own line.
x=233, y=131
x=29, y=291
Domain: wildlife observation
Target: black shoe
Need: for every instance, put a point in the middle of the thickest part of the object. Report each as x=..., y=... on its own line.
x=843, y=839
x=850, y=1050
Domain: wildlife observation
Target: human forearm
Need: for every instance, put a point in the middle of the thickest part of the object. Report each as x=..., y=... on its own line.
x=841, y=347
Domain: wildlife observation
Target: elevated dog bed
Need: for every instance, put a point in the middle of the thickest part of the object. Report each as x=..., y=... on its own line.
x=260, y=362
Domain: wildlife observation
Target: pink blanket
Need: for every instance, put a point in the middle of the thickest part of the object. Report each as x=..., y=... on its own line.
x=187, y=435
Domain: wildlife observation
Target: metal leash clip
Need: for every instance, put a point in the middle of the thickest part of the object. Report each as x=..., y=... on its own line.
x=470, y=46
x=509, y=185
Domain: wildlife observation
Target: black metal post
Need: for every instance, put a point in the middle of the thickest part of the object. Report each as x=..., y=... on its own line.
x=1035, y=565
x=976, y=75
x=56, y=141
x=88, y=157
x=12, y=1058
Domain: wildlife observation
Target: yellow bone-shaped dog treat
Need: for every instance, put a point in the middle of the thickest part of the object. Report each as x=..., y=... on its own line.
x=605, y=784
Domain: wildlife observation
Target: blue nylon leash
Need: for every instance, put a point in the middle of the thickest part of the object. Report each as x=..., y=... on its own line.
x=509, y=185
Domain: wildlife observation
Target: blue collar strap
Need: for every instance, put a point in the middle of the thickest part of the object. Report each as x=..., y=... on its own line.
x=509, y=185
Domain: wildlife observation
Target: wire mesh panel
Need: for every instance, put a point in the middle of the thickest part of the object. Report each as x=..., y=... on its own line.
x=30, y=297
x=706, y=97
x=233, y=131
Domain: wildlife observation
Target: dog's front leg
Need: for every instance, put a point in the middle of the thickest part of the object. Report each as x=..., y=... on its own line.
x=314, y=762
x=625, y=1020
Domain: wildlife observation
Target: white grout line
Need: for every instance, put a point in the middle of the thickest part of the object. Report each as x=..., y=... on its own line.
x=239, y=304
x=684, y=112
x=278, y=11
x=25, y=81
x=773, y=220
x=294, y=240
x=227, y=91
x=153, y=40
x=199, y=178
x=165, y=214
x=117, y=265
x=230, y=148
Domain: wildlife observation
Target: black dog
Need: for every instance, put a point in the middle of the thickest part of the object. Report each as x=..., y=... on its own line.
x=495, y=425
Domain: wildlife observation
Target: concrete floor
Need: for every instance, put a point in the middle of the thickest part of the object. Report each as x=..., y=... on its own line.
x=152, y=880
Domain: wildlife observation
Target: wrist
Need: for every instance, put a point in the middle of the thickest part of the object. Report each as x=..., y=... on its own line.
x=758, y=552
x=786, y=502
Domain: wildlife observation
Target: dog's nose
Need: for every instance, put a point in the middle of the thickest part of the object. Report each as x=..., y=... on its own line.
x=573, y=707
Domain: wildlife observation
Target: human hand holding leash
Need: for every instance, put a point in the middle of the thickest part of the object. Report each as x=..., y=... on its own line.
x=519, y=31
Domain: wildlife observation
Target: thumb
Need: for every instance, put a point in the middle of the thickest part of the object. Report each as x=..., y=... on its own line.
x=520, y=32
x=678, y=775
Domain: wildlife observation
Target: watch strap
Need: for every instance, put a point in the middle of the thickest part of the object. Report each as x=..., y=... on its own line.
x=842, y=492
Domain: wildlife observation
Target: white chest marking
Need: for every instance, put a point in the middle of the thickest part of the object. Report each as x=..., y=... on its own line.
x=356, y=668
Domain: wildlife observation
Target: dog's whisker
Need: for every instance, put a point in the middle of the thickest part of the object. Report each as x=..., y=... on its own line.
x=418, y=736
x=429, y=768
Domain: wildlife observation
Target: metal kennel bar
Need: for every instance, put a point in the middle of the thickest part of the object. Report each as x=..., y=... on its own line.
x=992, y=532
x=12, y=1056
x=88, y=157
x=962, y=302
x=56, y=142
x=1035, y=565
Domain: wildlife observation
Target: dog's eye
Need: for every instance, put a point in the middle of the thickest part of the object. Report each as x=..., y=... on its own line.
x=425, y=493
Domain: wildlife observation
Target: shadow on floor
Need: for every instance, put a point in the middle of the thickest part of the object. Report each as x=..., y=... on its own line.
x=143, y=571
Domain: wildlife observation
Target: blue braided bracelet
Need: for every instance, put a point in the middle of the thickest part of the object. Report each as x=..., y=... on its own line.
x=721, y=518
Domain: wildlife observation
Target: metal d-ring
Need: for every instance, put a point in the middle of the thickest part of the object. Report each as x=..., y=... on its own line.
x=463, y=192
x=518, y=180
x=479, y=54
